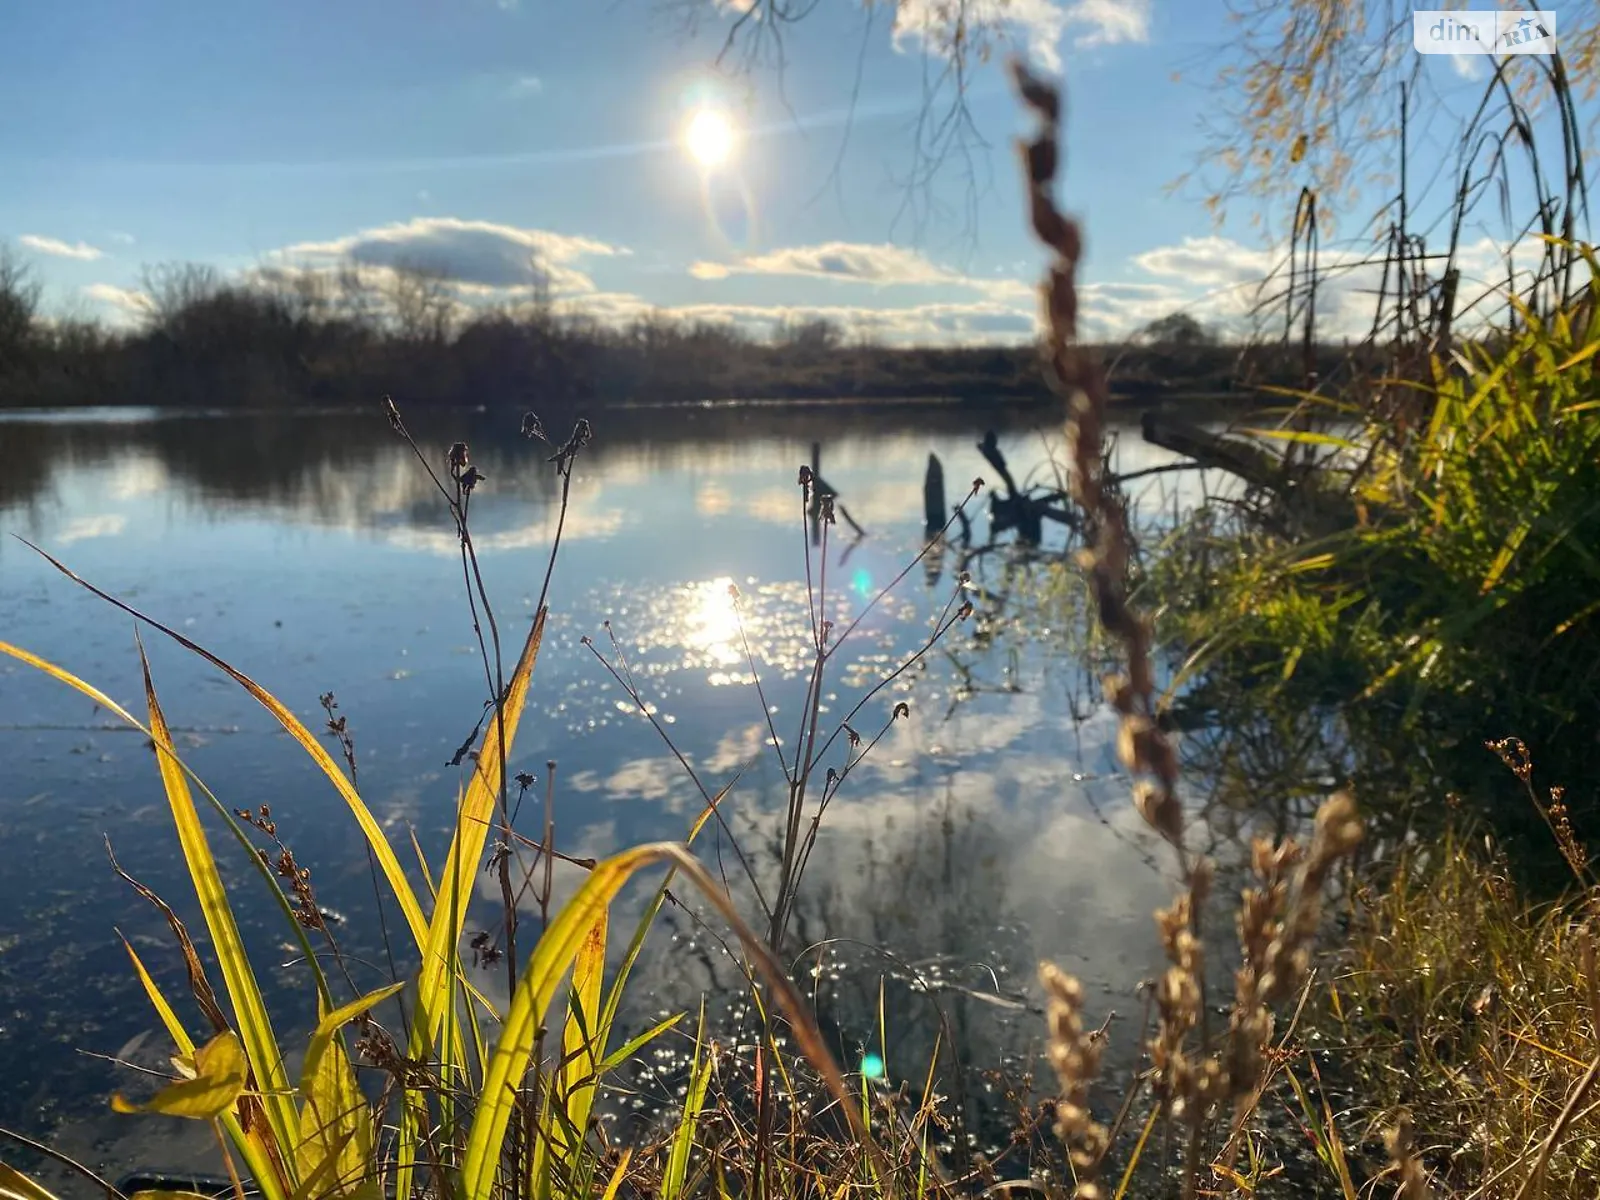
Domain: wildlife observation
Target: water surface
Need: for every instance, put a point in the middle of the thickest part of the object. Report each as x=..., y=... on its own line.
x=986, y=831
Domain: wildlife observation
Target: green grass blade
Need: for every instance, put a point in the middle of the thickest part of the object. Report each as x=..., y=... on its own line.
x=548, y=964
x=683, y=1137
x=633, y=1045
x=582, y=1049
x=583, y=1042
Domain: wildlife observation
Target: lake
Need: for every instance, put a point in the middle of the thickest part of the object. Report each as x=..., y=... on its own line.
x=988, y=830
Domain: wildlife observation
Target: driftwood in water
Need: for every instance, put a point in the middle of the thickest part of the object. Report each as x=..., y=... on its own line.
x=1017, y=509
x=820, y=488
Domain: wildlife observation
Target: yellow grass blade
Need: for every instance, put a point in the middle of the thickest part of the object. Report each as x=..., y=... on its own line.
x=219, y=1071
x=460, y=869
x=255, y=1028
x=440, y=956
x=618, y=1175
x=553, y=957
x=293, y=726
x=14, y=1185
x=72, y=681
x=169, y=1018
x=250, y=1148
x=336, y=1132
x=1138, y=1153
x=334, y=1021
x=583, y=1043
x=648, y=917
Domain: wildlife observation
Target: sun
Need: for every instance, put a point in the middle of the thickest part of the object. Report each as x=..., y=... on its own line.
x=710, y=137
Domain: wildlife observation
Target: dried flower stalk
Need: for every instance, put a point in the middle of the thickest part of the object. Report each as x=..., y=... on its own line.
x=1278, y=918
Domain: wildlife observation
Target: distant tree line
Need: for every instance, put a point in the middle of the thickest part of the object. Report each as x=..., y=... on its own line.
x=275, y=338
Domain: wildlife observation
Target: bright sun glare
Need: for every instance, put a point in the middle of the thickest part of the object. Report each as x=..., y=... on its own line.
x=709, y=137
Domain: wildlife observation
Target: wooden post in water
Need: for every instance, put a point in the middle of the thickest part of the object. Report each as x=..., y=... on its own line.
x=933, y=506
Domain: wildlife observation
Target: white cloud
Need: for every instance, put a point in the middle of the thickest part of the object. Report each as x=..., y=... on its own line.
x=59, y=249
x=1039, y=25
x=875, y=264
x=125, y=304
x=465, y=252
x=524, y=86
x=1222, y=281
x=1208, y=261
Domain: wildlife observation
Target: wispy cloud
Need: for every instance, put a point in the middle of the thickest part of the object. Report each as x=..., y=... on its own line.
x=1109, y=22
x=853, y=262
x=125, y=304
x=524, y=86
x=60, y=249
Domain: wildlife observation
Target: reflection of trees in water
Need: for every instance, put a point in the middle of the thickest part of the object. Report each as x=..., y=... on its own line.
x=352, y=465
x=921, y=909
x=29, y=456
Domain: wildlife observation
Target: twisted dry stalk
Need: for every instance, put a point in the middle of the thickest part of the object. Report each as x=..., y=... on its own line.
x=1141, y=744
x=1277, y=920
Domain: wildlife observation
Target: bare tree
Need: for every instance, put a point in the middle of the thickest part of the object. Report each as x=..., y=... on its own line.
x=809, y=336
x=422, y=302
x=20, y=291
x=176, y=290
x=1309, y=94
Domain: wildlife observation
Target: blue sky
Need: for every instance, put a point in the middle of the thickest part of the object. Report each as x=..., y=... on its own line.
x=479, y=136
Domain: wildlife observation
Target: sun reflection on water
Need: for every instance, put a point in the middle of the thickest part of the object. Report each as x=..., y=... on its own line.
x=711, y=625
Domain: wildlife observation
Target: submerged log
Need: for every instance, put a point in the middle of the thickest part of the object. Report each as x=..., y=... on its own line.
x=1318, y=509
x=1238, y=458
